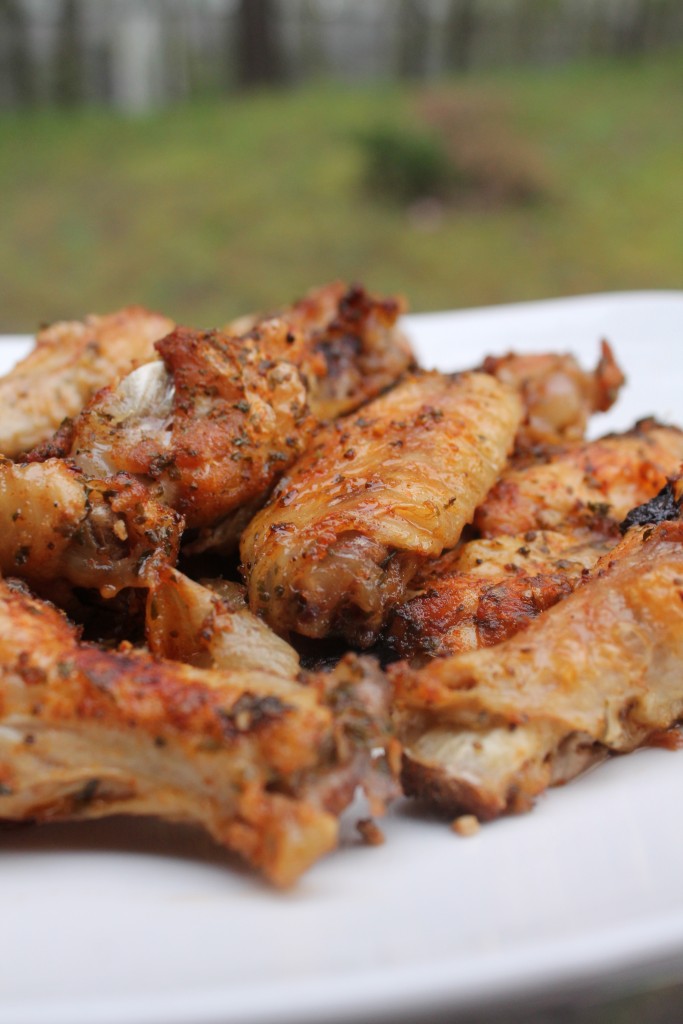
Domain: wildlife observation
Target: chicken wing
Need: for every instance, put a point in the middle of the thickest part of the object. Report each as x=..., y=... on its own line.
x=263, y=763
x=489, y=730
x=590, y=486
x=487, y=590
x=352, y=348
x=558, y=395
x=71, y=360
x=59, y=527
x=208, y=428
x=372, y=499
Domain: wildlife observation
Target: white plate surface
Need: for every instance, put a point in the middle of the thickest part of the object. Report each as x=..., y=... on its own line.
x=125, y=922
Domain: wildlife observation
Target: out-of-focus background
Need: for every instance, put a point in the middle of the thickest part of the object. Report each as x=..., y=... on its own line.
x=212, y=157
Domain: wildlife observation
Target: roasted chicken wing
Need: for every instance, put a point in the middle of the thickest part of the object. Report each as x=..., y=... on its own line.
x=60, y=528
x=590, y=486
x=71, y=360
x=487, y=590
x=558, y=396
x=263, y=763
x=351, y=346
x=489, y=730
x=373, y=498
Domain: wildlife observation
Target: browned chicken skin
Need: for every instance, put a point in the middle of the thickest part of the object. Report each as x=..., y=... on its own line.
x=57, y=527
x=264, y=763
x=590, y=486
x=211, y=426
x=70, y=361
x=374, y=497
x=558, y=396
x=351, y=350
x=489, y=730
x=207, y=430
x=487, y=590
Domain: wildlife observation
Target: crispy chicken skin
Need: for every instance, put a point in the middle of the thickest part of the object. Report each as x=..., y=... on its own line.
x=208, y=428
x=590, y=486
x=212, y=627
x=558, y=395
x=489, y=730
x=487, y=590
x=59, y=528
x=374, y=497
x=351, y=346
x=263, y=763
x=71, y=360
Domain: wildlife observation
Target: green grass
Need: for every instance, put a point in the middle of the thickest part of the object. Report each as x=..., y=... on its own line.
x=213, y=209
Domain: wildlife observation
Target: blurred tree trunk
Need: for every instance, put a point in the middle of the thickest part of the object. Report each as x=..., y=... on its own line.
x=69, y=56
x=633, y=27
x=460, y=28
x=413, y=38
x=259, y=51
x=17, y=83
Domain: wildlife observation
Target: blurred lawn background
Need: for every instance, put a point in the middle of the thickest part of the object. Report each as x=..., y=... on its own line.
x=213, y=208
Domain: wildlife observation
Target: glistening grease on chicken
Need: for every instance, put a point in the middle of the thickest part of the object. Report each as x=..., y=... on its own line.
x=265, y=764
x=374, y=497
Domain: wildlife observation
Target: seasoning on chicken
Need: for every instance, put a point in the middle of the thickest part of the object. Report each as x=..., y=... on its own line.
x=374, y=497
x=210, y=626
x=591, y=486
x=490, y=730
x=263, y=763
x=58, y=528
x=487, y=590
x=558, y=395
x=71, y=360
x=207, y=429
x=352, y=348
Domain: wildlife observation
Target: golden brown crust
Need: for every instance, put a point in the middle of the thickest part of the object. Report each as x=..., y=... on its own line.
x=70, y=361
x=463, y=612
x=589, y=486
x=58, y=527
x=351, y=346
x=485, y=591
x=262, y=762
x=558, y=396
x=208, y=430
x=372, y=499
x=599, y=672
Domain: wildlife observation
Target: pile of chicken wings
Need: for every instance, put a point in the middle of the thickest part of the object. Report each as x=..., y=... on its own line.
x=248, y=571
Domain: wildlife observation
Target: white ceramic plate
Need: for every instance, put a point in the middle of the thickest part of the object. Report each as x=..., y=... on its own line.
x=124, y=922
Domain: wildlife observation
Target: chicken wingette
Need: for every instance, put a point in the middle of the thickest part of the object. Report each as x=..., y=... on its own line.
x=211, y=426
x=374, y=497
x=71, y=360
x=486, y=590
x=265, y=764
x=351, y=347
x=207, y=428
x=588, y=487
x=488, y=731
x=558, y=396
x=58, y=529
